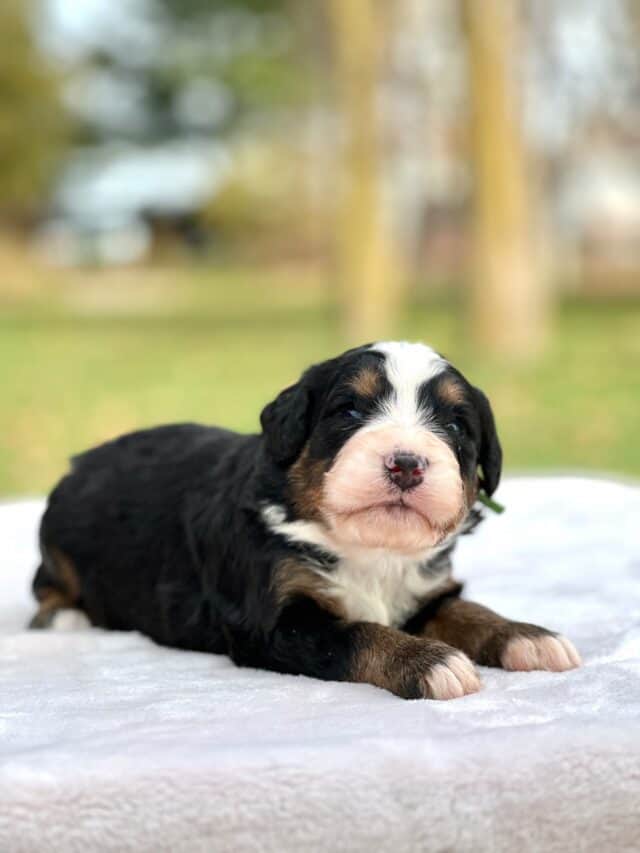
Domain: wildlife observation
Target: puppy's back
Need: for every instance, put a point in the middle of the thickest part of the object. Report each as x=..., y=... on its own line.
x=118, y=537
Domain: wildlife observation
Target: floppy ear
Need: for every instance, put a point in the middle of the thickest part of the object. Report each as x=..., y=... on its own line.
x=285, y=423
x=490, y=454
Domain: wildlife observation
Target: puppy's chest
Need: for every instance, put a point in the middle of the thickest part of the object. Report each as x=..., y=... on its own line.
x=387, y=589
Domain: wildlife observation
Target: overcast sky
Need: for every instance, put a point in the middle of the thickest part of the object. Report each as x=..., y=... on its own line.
x=72, y=27
x=585, y=56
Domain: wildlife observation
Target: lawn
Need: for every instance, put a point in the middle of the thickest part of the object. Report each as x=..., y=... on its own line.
x=85, y=357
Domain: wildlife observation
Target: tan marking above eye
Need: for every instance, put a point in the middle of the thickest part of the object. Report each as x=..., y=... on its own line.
x=367, y=383
x=450, y=391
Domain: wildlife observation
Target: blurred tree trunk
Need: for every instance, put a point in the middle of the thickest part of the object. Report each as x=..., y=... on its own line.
x=508, y=302
x=369, y=298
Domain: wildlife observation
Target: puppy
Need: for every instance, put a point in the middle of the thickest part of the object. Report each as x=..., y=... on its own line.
x=321, y=546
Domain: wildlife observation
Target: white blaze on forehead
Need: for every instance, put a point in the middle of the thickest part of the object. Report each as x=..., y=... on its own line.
x=408, y=366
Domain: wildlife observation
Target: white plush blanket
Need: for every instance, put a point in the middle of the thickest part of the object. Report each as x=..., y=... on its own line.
x=108, y=742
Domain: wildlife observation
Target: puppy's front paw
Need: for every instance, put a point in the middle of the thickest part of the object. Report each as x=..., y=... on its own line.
x=429, y=669
x=456, y=676
x=549, y=651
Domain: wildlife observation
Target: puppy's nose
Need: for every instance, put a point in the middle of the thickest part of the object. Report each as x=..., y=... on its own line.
x=405, y=470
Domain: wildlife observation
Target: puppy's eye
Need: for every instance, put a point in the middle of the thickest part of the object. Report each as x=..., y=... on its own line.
x=354, y=414
x=454, y=428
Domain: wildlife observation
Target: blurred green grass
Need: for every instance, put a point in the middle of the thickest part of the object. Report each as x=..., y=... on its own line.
x=90, y=356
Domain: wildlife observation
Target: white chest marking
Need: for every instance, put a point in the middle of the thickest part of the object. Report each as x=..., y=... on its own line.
x=371, y=585
x=385, y=589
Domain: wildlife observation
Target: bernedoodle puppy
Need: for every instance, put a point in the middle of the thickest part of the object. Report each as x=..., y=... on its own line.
x=321, y=546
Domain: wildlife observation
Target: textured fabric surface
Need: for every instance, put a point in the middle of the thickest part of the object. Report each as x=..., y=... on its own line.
x=108, y=742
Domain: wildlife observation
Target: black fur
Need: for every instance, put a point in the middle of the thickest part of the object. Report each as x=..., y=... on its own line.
x=490, y=455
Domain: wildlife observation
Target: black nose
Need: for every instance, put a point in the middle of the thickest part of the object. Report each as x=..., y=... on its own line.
x=405, y=470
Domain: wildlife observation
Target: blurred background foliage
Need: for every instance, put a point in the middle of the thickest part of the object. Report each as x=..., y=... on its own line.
x=33, y=122
x=200, y=197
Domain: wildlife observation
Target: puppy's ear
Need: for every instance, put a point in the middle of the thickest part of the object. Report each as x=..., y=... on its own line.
x=490, y=453
x=285, y=423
